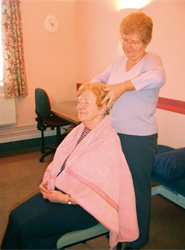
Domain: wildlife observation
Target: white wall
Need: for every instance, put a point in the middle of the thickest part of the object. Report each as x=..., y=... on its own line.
x=50, y=57
x=50, y=60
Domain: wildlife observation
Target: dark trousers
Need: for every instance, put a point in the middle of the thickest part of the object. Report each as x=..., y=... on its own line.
x=38, y=223
x=140, y=152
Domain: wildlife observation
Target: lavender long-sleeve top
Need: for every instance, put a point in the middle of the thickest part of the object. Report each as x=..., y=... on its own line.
x=133, y=112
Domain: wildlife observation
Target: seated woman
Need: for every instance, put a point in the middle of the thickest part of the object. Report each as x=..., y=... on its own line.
x=82, y=186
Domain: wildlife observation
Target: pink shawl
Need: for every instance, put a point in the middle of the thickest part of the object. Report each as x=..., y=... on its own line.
x=98, y=178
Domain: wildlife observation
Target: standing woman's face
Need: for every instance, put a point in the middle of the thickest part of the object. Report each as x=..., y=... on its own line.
x=133, y=46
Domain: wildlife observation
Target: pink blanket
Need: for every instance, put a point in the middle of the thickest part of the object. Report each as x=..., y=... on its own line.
x=98, y=178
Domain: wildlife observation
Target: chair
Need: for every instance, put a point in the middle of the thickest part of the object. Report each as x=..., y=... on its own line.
x=46, y=119
x=75, y=237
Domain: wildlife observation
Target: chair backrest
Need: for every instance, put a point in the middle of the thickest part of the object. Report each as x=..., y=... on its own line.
x=42, y=104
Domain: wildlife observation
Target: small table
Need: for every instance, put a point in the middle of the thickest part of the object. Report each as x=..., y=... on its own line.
x=67, y=111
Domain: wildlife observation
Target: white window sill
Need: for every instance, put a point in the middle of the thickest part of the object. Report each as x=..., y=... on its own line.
x=1, y=88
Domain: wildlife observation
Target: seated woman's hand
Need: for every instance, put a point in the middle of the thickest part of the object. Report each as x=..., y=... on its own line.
x=43, y=188
x=56, y=196
x=52, y=195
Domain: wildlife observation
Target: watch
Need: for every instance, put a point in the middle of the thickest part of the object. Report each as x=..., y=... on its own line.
x=69, y=199
x=51, y=24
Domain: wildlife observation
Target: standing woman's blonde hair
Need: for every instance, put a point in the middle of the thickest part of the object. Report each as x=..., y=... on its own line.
x=140, y=23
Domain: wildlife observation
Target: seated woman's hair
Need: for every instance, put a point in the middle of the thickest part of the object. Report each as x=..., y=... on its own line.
x=98, y=90
x=139, y=22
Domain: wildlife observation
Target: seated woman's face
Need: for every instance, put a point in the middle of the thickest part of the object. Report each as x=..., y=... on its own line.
x=88, y=111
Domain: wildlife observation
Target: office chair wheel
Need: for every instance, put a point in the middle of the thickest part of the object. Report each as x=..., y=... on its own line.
x=41, y=159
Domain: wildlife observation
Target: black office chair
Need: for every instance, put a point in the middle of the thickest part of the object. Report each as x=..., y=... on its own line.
x=46, y=119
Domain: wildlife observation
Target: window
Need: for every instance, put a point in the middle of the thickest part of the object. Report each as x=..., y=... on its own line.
x=13, y=48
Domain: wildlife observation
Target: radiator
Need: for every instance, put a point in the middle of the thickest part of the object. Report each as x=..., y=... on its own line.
x=7, y=111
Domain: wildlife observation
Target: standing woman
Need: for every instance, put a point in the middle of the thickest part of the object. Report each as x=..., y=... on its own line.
x=133, y=83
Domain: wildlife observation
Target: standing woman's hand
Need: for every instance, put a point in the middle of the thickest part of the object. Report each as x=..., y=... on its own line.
x=116, y=90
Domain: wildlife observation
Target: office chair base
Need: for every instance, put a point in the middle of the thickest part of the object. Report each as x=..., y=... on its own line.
x=43, y=149
x=47, y=153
